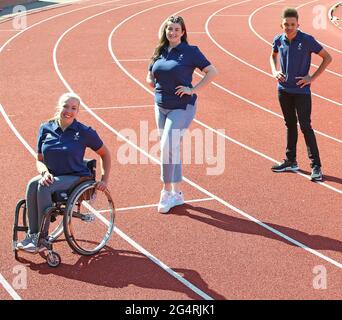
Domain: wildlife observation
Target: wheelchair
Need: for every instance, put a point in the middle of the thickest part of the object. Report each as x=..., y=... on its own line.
x=84, y=214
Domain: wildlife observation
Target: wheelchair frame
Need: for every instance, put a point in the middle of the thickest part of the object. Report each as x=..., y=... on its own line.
x=64, y=202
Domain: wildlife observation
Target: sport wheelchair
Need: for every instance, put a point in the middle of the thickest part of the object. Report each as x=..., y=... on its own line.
x=83, y=213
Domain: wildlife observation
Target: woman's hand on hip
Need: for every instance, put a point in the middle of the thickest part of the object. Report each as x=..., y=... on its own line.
x=181, y=90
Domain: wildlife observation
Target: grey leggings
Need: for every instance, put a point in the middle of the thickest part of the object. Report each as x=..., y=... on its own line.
x=172, y=125
x=38, y=198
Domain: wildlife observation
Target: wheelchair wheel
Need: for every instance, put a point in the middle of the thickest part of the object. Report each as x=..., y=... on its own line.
x=53, y=259
x=89, y=218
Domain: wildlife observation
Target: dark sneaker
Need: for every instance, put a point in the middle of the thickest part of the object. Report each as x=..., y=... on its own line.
x=316, y=174
x=286, y=166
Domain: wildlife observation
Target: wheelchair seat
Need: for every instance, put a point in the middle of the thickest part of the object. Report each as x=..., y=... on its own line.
x=61, y=196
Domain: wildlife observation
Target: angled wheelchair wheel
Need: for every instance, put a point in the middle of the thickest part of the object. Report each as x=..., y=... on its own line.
x=89, y=218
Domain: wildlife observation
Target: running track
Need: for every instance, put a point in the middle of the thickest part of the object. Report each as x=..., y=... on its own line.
x=251, y=234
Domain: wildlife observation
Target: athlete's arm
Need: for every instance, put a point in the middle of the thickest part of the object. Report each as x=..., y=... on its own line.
x=273, y=62
x=326, y=59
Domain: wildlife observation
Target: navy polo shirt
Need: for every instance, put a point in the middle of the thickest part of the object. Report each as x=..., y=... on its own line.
x=295, y=59
x=173, y=69
x=63, y=152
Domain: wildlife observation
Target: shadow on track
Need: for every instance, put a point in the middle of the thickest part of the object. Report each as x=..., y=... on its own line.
x=120, y=268
x=233, y=224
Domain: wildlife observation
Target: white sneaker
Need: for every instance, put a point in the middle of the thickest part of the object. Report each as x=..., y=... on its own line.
x=32, y=246
x=25, y=242
x=177, y=199
x=165, y=201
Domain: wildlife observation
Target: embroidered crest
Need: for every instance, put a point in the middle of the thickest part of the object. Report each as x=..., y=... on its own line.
x=300, y=46
x=77, y=136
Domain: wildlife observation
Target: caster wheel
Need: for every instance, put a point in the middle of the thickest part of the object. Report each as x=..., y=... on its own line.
x=53, y=259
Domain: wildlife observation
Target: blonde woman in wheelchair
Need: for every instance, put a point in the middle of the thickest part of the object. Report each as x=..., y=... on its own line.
x=61, y=146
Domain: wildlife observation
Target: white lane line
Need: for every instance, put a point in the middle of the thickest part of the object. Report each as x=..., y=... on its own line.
x=131, y=241
x=324, y=44
x=118, y=134
x=134, y=60
x=7, y=119
x=10, y=124
x=163, y=265
x=251, y=27
x=248, y=101
x=193, y=6
x=314, y=252
x=199, y=122
x=156, y=205
x=37, y=10
x=220, y=133
x=266, y=157
x=265, y=109
x=16, y=132
x=121, y=107
x=231, y=15
x=9, y=288
x=150, y=255
x=254, y=104
x=286, y=4
x=51, y=18
x=305, y=4
x=245, y=62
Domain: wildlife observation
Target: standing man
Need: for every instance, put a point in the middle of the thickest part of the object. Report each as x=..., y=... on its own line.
x=294, y=48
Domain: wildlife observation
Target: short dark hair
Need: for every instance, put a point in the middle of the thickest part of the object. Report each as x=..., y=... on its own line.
x=289, y=13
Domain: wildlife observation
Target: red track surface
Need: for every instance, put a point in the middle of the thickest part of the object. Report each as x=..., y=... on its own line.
x=213, y=246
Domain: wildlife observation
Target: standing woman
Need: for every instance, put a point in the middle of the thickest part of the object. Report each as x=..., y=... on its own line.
x=61, y=145
x=170, y=74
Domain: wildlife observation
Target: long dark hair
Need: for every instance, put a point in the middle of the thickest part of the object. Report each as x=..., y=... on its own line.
x=163, y=40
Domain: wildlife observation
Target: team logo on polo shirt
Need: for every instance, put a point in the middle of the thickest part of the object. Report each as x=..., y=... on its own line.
x=77, y=136
x=180, y=57
x=299, y=46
